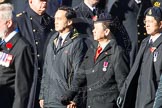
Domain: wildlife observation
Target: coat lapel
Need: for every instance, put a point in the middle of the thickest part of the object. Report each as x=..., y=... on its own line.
x=72, y=35
x=156, y=55
x=86, y=11
x=157, y=42
x=53, y=41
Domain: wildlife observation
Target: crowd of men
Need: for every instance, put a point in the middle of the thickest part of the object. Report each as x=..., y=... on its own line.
x=80, y=54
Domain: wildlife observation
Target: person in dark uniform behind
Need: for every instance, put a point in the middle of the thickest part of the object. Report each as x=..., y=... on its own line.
x=35, y=25
x=88, y=11
x=70, y=3
x=144, y=76
x=16, y=62
x=126, y=12
x=105, y=68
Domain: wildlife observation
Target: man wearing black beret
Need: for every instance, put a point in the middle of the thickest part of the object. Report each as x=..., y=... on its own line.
x=104, y=69
x=140, y=87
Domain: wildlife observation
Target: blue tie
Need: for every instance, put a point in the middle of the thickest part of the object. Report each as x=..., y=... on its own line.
x=2, y=42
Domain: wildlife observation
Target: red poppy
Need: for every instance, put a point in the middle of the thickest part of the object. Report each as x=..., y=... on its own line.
x=9, y=45
x=152, y=49
x=94, y=18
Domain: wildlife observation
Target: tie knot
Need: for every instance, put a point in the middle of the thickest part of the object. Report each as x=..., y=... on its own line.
x=99, y=49
x=150, y=42
x=59, y=42
x=94, y=11
x=60, y=38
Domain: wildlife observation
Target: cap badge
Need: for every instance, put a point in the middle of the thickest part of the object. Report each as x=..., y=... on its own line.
x=150, y=12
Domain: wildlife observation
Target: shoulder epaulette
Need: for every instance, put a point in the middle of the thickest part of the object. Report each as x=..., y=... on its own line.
x=20, y=14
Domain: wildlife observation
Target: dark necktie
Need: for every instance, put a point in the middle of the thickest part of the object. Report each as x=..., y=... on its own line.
x=94, y=12
x=98, y=51
x=59, y=42
x=150, y=43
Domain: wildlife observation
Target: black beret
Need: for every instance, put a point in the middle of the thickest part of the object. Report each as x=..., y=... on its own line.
x=156, y=12
x=104, y=17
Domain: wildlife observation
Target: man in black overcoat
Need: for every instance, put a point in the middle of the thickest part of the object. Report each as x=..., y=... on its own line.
x=16, y=62
x=105, y=69
x=141, y=84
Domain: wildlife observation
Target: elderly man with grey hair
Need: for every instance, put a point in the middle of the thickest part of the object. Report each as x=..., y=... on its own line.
x=16, y=62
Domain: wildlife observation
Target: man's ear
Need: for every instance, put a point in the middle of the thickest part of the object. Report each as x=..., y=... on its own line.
x=9, y=23
x=160, y=24
x=70, y=22
x=107, y=31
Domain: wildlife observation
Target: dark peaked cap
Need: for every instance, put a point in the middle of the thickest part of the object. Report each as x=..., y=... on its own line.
x=156, y=12
x=104, y=17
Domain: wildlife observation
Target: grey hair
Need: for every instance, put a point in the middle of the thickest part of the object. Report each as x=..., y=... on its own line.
x=6, y=11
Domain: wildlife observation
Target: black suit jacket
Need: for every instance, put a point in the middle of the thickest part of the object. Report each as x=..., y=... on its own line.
x=16, y=75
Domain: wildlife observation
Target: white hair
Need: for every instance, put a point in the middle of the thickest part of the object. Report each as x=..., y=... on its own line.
x=6, y=11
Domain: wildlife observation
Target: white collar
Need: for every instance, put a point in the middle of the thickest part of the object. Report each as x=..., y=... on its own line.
x=64, y=36
x=12, y=34
x=91, y=8
x=104, y=45
x=155, y=37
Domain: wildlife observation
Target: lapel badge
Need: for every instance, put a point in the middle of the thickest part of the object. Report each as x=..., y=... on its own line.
x=94, y=18
x=9, y=45
x=106, y=53
x=105, y=66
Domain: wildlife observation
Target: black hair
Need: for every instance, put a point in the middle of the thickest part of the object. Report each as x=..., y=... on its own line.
x=70, y=13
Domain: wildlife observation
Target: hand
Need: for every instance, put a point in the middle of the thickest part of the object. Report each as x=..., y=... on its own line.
x=41, y=103
x=72, y=105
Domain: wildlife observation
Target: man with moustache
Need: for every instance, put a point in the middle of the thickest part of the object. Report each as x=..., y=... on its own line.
x=16, y=62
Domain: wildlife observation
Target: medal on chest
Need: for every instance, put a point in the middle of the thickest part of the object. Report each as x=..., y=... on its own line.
x=5, y=59
x=105, y=65
x=155, y=56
